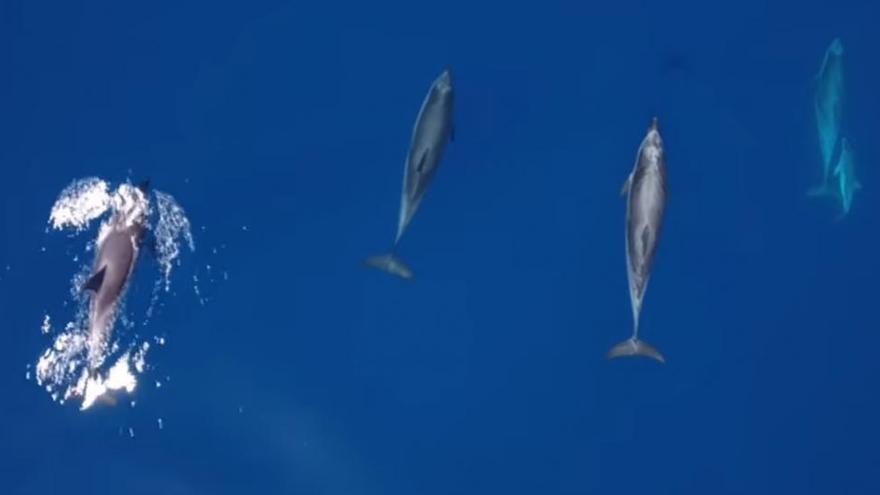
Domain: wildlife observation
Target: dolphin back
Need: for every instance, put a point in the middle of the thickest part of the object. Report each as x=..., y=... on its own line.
x=431, y=133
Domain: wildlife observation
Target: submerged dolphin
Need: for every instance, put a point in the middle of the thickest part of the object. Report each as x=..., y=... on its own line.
x=432, y=131
x=117, y=250
x=829, y=112
x=646, y=199
x=846, y=179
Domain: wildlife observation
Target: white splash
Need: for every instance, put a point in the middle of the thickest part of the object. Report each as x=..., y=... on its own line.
x=172, y=227
x=57, y=366
x=80, y=203
x=64, y=368
x=46, y=327
x=130, y=204
x=120, y=377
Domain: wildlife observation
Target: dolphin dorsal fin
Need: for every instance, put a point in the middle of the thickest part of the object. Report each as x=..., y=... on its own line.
x=95, y=281
x=625, y=188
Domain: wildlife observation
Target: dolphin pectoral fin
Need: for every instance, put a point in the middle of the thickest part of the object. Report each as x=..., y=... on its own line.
x=144, y=185
x=645, y=238
x=635, y=347
x=95, y=281
x=625, y=188
x=391, y=264
x=422, y=159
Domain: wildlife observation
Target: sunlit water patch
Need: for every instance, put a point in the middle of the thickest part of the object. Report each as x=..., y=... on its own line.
x=76, y=366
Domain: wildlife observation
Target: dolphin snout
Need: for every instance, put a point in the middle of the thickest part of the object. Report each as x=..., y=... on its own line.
x=444, y=80
x=653, y=136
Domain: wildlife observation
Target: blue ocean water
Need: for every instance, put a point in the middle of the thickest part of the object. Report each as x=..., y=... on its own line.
x=282, y=128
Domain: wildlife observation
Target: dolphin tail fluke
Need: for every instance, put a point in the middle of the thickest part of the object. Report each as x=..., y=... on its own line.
x=635, y=347
x=391, y=264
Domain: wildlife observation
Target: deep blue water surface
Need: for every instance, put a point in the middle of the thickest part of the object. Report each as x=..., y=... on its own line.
x=282, y=128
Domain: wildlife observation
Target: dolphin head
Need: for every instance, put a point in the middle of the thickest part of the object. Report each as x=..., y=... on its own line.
x=443, y=83
x=836, y=47
x=652, y=138
x=131, y=207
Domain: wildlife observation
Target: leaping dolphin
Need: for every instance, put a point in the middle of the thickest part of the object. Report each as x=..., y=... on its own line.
x=117, y=248
x=432, y=131
x=646, y=191
x=829, y=112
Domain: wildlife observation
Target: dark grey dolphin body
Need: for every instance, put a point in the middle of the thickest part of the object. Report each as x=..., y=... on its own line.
x=117, y=250
x=646, y=200
x=432, y=131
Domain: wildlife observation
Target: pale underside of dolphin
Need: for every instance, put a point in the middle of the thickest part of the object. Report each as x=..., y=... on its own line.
x=431, y=133
x=829, y=113
x=646, y=192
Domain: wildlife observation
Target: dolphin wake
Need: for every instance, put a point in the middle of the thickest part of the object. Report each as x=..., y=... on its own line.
x=64, y=369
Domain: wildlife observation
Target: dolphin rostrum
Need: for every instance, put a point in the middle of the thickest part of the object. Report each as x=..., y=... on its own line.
x=117, y=249
x=432, y=131
x=829, y=112
x=845, y=172
x=646, y=199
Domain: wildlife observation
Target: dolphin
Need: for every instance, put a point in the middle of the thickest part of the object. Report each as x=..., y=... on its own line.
x=646, y=190
x=432, y=131
x=846, y=179
x=117, y=247
x=829, y=112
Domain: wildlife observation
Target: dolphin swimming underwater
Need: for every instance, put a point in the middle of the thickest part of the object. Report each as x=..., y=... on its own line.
x=646, y=190
x=117, y=248
x=829, y=112
x=432, y=131
x=846, y=178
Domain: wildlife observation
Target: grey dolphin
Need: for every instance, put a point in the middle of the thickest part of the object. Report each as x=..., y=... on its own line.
x=117, y=250
x=646, y=189
x=829, y=112
x=432, y=131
